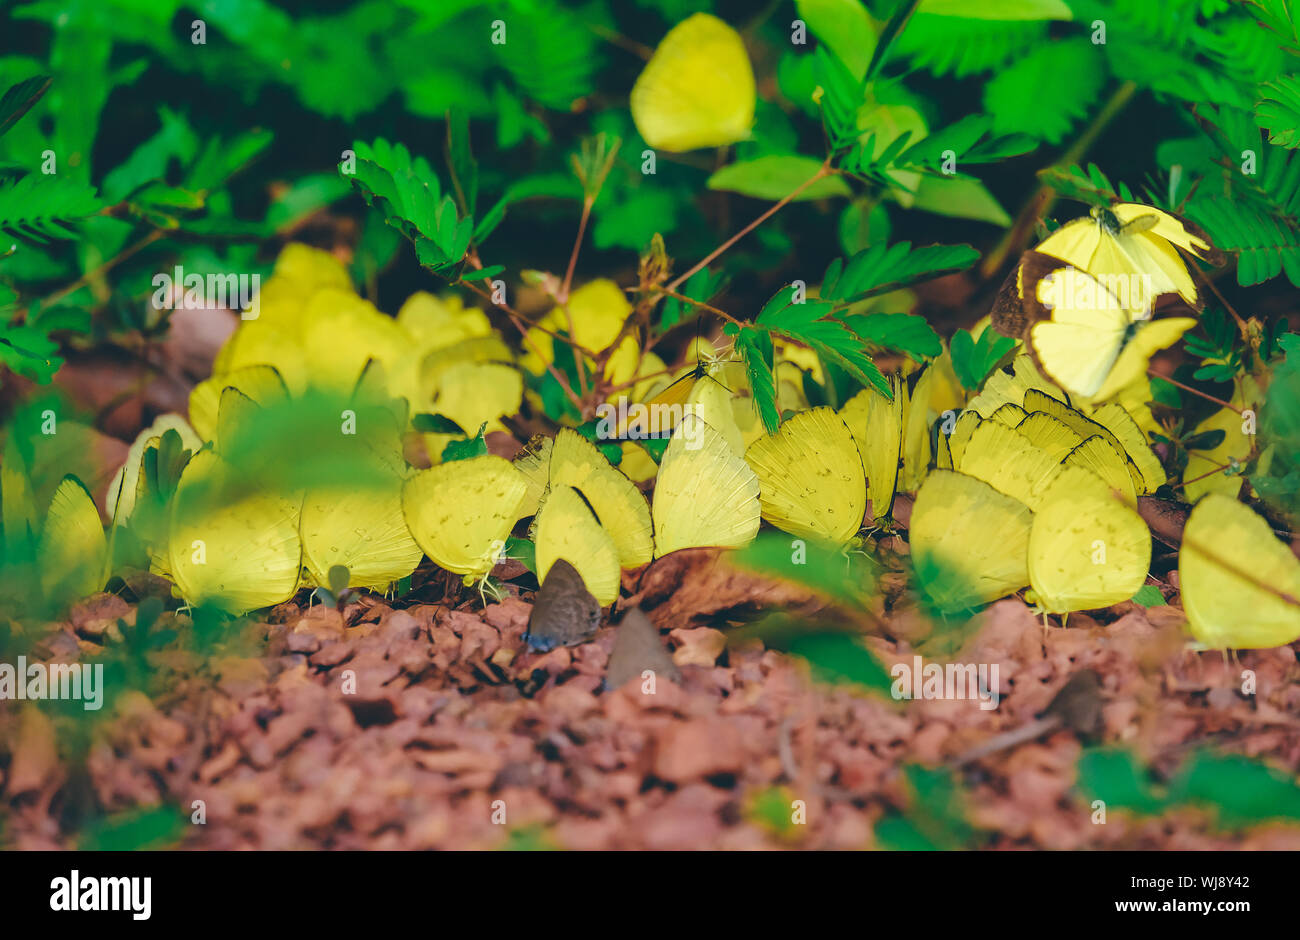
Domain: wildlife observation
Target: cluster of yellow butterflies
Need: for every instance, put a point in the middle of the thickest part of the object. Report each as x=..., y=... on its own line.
x=1031, y=483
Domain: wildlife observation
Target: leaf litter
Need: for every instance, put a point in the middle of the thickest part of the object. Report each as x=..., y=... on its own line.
x=449, y=711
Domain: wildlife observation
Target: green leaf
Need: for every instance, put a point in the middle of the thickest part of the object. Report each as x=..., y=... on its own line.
x=150, y=161
x=406, y=190
x=464, y=171
x=309, y=194
x=904, y=332
x=475, y=446
x=959, y=198
x=755, y=348
x=42, y=208
x=221, y=159
x=703, y=286
x=339, y=578
x=134, y=830
x=435, y=424
x=1149, y=595
x=1242, y=792
x=550, y=52
x=973, y=360
x=812, y=324
x=1278, y=112
x=845, y=27
x=1048, y=91
x=1114, y=776
x=18, y=100
x=999, y=9
x=839, y=658
x=961, y=47
x=29, y=351
x=523, y=551
x=935, y=817
x=1166, y=393
x=880, y=269
x=807, y=563
x=775, y=176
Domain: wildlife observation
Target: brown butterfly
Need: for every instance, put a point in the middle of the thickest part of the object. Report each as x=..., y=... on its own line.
x=564, y=611
x=637, y=647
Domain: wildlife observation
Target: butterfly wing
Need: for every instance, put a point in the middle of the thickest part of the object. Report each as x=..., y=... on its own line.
x=698, y=88
x=461, y=513
x=237, y=549
x=810, y=477
x=72, y=546
x=968, y=541
x=706, y=495
x=566, y=529
x=618, y=504
x=1081, y=342
x=564, y=612
x=1087, y=549
x=1229, y=561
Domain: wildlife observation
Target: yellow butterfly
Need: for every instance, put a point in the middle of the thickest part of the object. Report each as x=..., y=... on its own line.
x=1009, y=462
x=262, y=383
x=969, y=542
x=697, y=90
x=1087, y=549
x=617, y=503
x=1130, y=248
x=461, y=512
x=566, y=528
x=1086, y=427
x=363, y=528
x=810, y=477
x=1240, y=585
x=234, y=548
x=534, y=462
x=72, y=550
x=876, y=423
x=122, y=490
x=1079, y=345
x=1101, y=457
x=705, y=494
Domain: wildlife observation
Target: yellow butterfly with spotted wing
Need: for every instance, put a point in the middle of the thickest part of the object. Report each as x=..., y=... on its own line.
x=462, y=512
x=811, y=482
x=1088, y=549
x=1089, y=328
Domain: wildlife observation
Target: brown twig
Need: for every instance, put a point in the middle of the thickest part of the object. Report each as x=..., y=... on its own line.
x=668, y=292
x=1196, y=391
x=519, y=325
x=822, y=172
x=90, y=276
x=1017, y=237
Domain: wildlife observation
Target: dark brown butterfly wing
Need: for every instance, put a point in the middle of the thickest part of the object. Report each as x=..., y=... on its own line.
x=564, y=612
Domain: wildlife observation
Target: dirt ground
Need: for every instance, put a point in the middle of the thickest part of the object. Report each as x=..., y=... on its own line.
x=432, y=726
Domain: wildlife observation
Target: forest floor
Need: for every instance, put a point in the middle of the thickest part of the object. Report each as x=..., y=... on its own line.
x=427, y=725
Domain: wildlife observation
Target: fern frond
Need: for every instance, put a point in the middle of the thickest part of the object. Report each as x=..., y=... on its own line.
x=947, y=45
x=44, y=208
x=1264, y=244
x=1278, y=111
